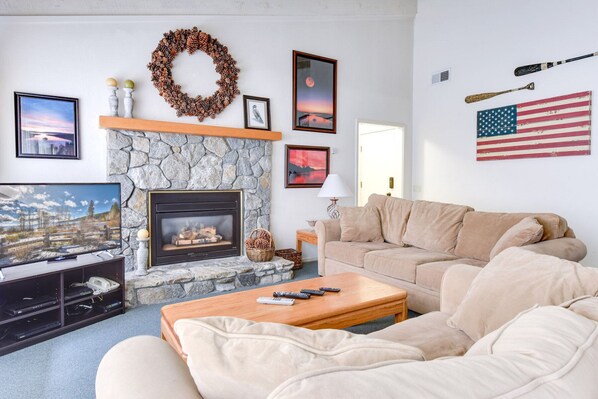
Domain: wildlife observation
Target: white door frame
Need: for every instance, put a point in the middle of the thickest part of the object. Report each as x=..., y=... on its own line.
x=377, y=122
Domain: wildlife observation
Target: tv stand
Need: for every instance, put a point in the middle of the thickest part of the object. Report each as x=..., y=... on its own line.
x=37, y=280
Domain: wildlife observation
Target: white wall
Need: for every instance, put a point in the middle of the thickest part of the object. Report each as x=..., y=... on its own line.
x=72, y=56
x=483, y=41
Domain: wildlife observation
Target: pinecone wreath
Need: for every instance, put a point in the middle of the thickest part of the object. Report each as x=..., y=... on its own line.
x=192, y=40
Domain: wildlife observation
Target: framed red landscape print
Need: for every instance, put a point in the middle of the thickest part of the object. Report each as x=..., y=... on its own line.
x=314, y=93
x=306, y=166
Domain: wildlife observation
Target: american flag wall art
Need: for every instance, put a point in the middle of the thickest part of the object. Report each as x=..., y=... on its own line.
x=557, y=126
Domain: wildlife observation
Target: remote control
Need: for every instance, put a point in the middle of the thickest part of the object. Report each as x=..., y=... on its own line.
x=295, y=295
x=313, y=292
x=275, y=301
x=330, y=289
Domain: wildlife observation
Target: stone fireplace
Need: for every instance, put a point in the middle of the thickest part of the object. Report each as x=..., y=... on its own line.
x=148, y=161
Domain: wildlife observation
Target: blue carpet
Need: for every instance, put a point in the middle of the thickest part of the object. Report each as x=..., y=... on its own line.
x=65, y=366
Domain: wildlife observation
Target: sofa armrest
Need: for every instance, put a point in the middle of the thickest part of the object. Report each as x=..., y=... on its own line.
x=326, y=230
x=565, y=248
x=455, y=283
x=144, y=367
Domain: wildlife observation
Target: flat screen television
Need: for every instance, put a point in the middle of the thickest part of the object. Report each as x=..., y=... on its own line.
x=44, y=222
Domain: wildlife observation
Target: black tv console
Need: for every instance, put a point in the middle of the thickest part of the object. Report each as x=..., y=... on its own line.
x=19, y=329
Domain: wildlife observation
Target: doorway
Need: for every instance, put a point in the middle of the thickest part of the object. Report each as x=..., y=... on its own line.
x=380, y=160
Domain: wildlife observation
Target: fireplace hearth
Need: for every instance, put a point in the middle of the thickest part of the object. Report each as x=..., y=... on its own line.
x=191, y=225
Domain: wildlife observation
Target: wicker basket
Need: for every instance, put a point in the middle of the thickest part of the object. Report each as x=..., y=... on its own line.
x=260, y=255
x=292, y=255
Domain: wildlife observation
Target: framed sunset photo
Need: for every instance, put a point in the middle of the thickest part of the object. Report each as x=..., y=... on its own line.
x=306, y=166
x=314, y=93
x=46, y=126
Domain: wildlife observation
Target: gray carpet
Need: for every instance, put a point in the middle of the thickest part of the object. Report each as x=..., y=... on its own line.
x=65, y=366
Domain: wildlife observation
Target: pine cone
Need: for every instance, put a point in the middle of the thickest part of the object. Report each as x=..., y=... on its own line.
x=250, y=243
x=261, y=243
x=203, y=41
x=192, y=43
x=264, y=234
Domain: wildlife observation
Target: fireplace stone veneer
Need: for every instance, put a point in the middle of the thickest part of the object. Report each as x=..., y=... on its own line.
x=146, y=161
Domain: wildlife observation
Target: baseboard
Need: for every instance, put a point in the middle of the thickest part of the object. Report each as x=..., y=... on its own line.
x=310, y=260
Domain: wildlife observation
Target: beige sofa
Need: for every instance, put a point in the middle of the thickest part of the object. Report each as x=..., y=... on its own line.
x=517, y=350
x=420, y=240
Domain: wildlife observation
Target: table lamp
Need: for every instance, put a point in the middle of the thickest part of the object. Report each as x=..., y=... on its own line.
x=334, y=188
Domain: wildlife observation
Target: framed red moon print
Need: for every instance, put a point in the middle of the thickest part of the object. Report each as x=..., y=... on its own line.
x=314, y=93
x=306, y=166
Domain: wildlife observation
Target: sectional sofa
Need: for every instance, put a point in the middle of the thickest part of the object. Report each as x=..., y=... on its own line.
x=411, y=244
x=498, y=334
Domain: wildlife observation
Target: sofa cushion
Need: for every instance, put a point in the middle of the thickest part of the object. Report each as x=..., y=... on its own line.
x=401, y=262
x=230, y=357
x=360, y=224
x=434, y=226
x=429, y=333
x=353, y=253
x=481, y=231
x=585, y=306
x=377, y=201
x=429, y=275
x=527, y=231
x=515, y=280
x=549, y=352
x=555, y=226
x=394, y=213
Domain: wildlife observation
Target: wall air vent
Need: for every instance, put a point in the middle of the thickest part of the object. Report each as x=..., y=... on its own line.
x=441, y=76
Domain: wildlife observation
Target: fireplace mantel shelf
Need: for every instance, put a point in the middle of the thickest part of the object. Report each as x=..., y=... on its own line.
x=146, y=125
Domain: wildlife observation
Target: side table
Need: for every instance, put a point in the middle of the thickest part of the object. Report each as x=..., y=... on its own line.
x=309, y=236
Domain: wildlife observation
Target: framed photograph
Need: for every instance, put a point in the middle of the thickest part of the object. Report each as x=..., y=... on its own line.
x=314, y=93
x=46, y=126
x=306, y=166
x=257, y=112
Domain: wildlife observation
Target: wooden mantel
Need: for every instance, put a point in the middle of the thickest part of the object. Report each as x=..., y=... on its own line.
x=146, y=125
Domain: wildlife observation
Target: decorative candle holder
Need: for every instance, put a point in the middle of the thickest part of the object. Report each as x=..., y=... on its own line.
x=128, y=102
x=142, y=253
x=129, y=87
x=113, y=101
x=112, y=98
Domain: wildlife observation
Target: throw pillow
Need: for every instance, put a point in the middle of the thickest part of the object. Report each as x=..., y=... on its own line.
x=515, y=280
x=235, y=358
x=527, y=231
x=361, y=224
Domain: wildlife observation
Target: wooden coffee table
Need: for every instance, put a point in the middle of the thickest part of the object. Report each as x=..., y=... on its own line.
x=361, y=299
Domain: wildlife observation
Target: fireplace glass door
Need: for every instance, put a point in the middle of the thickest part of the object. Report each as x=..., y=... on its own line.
x=189, y=226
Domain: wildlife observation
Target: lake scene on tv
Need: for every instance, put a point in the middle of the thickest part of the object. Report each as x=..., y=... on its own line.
x=43, y=222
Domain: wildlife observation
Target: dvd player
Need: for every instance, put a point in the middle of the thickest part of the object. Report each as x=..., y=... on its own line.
x=77, y=292
x=105, y=308
x=29, y=305
x=34, y=328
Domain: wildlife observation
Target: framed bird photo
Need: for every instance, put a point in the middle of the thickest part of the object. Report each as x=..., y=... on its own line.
x=46, y=126
x=257, y=112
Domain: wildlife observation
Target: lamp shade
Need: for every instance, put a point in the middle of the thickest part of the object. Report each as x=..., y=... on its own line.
x=334, y=187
